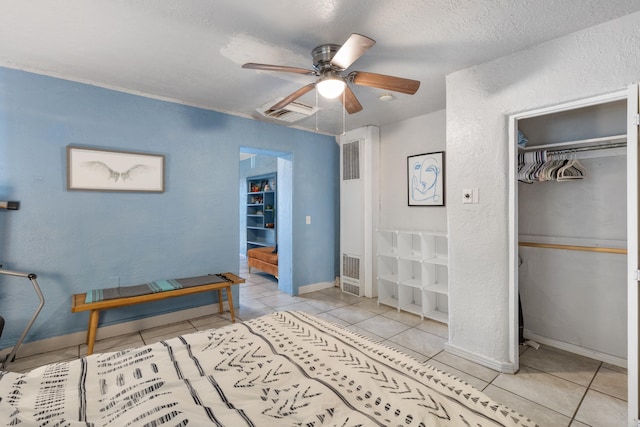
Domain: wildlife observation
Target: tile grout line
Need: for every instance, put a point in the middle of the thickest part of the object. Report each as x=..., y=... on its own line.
x=585, y=393
x=531, y=401
x=575, y=412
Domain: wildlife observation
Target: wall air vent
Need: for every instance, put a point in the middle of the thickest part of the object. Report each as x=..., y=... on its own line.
x=350, y=277
x=351, y=160
x=293, y=112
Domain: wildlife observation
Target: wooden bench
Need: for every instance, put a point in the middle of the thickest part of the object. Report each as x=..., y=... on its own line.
x=78, y=303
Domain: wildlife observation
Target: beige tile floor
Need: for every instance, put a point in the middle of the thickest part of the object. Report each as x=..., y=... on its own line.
x=553, y=387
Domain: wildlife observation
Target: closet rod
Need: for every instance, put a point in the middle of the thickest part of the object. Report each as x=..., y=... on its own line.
x=575, y=248
x=591, y=142
x=593, y=147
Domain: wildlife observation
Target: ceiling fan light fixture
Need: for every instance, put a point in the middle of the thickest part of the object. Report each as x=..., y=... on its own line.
x=331, y=86
x=329, y=62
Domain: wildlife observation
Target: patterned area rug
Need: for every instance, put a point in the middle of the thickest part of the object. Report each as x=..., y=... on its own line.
x=285, y=369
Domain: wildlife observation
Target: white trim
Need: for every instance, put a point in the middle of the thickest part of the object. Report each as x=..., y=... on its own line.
x=315, y=287
x=579, y=103
x=514, y=324
x=78, y=338
x=496, y=365
x=575, y=349
x=633, y=262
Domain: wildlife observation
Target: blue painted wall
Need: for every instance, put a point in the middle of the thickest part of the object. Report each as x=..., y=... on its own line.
x=77, y=240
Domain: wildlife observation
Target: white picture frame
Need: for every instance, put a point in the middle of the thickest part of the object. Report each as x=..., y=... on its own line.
x=92, y=169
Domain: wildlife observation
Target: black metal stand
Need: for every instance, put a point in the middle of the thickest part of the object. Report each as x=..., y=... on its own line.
x=12, y=356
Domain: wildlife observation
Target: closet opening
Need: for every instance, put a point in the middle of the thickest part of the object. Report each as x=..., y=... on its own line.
x=568, y=229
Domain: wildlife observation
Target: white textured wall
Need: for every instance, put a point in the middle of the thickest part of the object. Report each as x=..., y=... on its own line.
x=598, y=60
x=423, y=134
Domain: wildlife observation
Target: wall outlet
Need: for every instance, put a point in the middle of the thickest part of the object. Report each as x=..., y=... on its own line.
x=470, y=195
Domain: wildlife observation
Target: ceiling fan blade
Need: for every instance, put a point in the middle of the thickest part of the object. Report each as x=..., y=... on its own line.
x=355, y=46
x=295, y=95
x=382, y=81
x=268, y=67
x=350, y=102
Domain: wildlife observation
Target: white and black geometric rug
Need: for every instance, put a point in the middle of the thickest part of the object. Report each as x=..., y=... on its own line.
x=284, y=369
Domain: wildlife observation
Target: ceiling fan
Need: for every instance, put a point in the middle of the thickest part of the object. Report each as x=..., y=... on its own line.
x=329, y=61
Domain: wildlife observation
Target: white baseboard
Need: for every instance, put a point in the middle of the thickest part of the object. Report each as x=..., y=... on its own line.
x=572, y=348
x=77, y=338
x=315, y=287
x=497, y=365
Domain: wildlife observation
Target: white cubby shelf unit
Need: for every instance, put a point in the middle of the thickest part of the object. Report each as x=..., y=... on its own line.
x=413, y=273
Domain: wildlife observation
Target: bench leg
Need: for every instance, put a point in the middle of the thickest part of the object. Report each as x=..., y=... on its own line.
x=92, y=331
x=220, y=307
x=230, y=302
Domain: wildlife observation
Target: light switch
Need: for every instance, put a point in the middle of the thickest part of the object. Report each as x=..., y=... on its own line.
x=308, y=219
x=470, y=195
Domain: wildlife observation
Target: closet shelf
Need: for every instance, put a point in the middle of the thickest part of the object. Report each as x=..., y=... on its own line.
x=606, y=140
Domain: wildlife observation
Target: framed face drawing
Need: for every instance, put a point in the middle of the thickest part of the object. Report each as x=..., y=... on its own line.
x=425, y=179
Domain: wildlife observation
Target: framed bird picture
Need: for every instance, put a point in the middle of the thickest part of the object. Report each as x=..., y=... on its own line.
x=106, y=170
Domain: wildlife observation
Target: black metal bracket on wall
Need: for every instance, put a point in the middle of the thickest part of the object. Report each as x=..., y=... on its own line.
x=11, y=206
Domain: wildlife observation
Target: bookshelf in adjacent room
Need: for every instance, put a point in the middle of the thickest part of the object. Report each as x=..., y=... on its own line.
x=261, y=211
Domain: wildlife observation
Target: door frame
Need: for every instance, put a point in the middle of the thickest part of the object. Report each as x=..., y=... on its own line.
x=513, y=204
x=284, y=212
x=633, y=260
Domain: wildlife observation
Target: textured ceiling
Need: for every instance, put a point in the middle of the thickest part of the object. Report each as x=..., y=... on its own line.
x=191, y=51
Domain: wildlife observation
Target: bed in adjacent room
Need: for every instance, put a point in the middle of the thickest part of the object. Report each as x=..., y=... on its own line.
x=285, y=369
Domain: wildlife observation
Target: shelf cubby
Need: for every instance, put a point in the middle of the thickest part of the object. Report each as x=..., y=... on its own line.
x=413, y=272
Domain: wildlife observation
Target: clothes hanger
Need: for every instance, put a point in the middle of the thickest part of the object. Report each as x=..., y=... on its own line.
x=551, y=169
x=572, y=170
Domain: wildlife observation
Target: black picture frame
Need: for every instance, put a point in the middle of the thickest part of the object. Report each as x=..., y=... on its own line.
x=425, y=179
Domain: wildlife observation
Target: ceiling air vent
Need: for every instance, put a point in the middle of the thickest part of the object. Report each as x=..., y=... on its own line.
x=293, y=112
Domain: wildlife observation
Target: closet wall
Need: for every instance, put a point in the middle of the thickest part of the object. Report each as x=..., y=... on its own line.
x=574, y=299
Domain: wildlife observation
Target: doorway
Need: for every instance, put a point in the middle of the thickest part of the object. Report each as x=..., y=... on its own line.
x=260, y=162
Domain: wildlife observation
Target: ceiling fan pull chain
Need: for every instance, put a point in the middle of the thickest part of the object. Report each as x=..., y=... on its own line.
x=344, y=113
x=317, y=112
